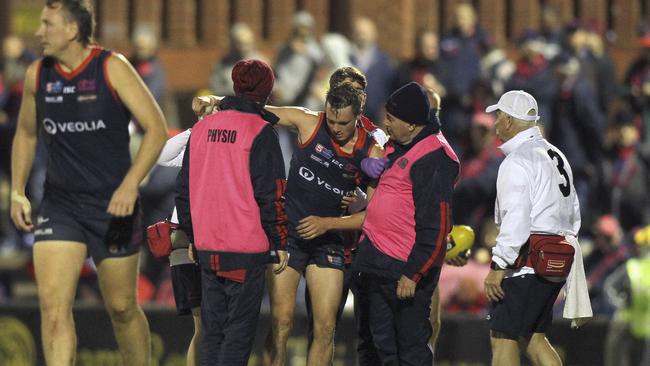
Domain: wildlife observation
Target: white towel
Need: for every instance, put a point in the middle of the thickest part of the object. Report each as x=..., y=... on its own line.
x=577, y=306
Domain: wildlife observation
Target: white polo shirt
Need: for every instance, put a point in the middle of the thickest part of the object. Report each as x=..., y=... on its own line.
x=535, y=195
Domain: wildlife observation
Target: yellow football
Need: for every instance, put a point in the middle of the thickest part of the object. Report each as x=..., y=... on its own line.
x=459, y=240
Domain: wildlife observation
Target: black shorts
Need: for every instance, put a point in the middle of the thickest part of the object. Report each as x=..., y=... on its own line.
x=526, y=308
x=70, y=217
x=186, y=282
x=303, y=253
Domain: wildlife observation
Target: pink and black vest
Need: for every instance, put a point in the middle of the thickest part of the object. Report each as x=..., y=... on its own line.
x=225, y=215
x=390, y=215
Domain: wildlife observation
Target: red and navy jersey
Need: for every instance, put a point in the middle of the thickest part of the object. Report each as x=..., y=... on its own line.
x=321, y=174
x=84, y=125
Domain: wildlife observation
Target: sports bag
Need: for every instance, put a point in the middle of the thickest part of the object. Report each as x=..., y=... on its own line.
x=549, y=255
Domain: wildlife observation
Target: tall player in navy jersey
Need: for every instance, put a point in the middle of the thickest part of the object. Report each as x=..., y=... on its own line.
x=81, y=97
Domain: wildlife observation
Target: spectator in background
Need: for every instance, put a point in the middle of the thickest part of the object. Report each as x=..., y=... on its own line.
x=604, y=74
x=297, y=62
x=146, y=63
x=461, y=50
x=242, y=46
x=425, y=68
x=462, y=291
x=584, y=42
x=608, y=254
x=625, y=179
x=374, y=63
x=336, y=52
x=628, y=337
x=156, y=192
x=16, y=59
x=577, y=126
x=534, y=73
x=475, y=192
x=496, y=70
x=551, y=32
x=296, y=65
x=637, y=90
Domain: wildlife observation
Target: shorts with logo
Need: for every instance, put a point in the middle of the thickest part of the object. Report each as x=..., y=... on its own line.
x=186, y=282
x=526, y=308
x=323, y=254
x=79, y=217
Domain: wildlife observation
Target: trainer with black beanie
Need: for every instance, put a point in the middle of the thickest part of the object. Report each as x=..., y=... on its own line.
x=405, y=228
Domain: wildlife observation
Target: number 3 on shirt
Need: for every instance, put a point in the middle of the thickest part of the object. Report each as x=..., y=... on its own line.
x=566, y=187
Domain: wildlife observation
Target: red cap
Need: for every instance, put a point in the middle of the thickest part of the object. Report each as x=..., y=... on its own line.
x=253, y=79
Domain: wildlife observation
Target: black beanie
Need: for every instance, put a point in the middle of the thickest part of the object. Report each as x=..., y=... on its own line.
x=410, y=104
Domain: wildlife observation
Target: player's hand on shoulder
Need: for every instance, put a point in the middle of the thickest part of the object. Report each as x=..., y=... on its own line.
x=205, y=105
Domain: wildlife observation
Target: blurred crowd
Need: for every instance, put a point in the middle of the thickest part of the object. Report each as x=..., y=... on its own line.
x=601, y=123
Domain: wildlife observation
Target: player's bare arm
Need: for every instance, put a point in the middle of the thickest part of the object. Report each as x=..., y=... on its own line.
x=302, y=119
x=22, y=152
x=137, y=98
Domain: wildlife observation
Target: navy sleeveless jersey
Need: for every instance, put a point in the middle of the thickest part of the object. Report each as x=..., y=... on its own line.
x=321, y=174
x=84, y=126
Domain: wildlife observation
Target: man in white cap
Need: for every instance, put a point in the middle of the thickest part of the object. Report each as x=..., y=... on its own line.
x=536, y=205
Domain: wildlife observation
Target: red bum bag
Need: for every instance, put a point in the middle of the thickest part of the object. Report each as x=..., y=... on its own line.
x=549, y=255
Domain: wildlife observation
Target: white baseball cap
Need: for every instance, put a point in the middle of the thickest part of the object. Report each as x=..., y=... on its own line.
x=516, y=103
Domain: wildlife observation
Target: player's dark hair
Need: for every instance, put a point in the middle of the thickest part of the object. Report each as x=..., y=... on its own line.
x=344, y=95
x=348, y=72
x=80, y=12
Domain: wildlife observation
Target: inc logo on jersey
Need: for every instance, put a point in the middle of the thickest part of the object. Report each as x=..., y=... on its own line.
x=52, y=127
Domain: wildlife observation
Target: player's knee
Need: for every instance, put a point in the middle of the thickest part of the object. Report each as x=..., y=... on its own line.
x=540, y=350
x=53, y=314
x=282, y=326
x=324, y=331
x=122, y=311
x=501, y=343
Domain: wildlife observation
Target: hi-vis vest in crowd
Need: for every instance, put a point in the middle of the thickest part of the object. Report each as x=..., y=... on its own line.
x=638, y=314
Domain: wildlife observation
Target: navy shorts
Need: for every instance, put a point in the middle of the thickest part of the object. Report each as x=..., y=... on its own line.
x=76, y=217
x=186, y=282
x=305, y=252
x=526, y=308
